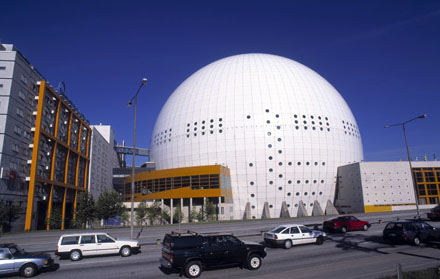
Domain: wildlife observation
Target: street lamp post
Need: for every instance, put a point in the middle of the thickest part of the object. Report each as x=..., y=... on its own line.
x=144, y=81
x=409, y=158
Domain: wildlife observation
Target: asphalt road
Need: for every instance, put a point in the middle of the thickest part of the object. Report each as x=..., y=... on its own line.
x=356, y=254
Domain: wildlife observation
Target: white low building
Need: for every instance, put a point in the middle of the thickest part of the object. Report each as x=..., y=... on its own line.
x=386, y=186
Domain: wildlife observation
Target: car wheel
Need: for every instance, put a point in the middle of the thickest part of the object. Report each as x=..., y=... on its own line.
x=343, y=229
x=75, y=255
x=287, y=244
x=193, y=269
x=125, y=251
x=319, y=240
x=254, y=262
x=28, y=270
x=365, y=228
x=416, y=241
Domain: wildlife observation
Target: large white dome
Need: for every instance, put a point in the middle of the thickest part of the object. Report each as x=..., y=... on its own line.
x=279, y=126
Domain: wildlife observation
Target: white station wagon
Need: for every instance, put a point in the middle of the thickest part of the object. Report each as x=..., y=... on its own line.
x=293, y=234
x=78, y=245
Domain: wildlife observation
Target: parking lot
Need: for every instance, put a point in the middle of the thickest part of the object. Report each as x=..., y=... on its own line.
x=356, y=254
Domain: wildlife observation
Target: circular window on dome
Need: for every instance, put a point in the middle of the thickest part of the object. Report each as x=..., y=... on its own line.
x=248, y=117
x=289, y=194
x=267, y=110
x=251, y=183
x=269, y=133
x=251, y=165
x=271, y=182
x=277, y=115
x=280, y=176
x=269, y=145
x=252, y=195
x=270, y=157
x=280, y=163
x=279, y=139
x=268, y=121
x=289, y=182
x=270, y=170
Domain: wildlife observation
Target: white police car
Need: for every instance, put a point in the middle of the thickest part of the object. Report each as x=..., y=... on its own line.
x=293, y=234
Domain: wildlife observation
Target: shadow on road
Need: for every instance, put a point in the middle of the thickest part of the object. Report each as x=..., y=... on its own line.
x=347, y=243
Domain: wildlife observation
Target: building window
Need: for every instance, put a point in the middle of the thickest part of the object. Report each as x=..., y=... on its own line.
x=2, y=68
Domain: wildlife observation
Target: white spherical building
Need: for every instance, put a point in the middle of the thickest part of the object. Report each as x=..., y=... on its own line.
x=279, y=126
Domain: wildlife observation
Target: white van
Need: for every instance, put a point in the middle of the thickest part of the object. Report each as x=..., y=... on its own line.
x=78, y=245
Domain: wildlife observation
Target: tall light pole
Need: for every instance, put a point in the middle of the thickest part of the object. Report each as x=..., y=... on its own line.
x=144, y=81
x=409, y=158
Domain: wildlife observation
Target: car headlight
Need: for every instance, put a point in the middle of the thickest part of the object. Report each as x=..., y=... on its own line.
x=45, y=261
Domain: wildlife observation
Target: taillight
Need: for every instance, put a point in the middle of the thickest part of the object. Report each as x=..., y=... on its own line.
x=404, y=235
x=57, y=249
x=171, y=257
x=276, y=236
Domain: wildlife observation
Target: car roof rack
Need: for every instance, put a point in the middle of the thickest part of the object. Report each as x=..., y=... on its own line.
x=183, y=233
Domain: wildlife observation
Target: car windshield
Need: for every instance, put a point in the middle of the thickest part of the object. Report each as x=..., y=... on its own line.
x=278, y=229
x=16, y=250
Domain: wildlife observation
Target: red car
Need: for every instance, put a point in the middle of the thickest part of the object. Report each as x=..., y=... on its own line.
x=434, y=214
x=345, y=223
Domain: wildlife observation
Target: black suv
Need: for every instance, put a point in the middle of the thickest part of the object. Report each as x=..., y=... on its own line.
x=411, y=231
x=190, y=252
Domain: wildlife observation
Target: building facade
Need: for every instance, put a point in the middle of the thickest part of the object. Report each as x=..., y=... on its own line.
x=386, y=186
x=60, y=161
x=103, y=159
x=280, y=128
x=18, y=93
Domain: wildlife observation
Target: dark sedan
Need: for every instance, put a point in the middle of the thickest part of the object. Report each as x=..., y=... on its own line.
x=345, y=223
x=434, y=214
x=410, y=231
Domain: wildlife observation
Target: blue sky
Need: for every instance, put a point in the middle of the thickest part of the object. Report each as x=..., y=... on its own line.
x=382, y=56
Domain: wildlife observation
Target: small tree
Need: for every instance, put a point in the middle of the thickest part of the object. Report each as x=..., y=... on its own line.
x=108, y=205
x=178, y=215
x=210, y=211
x=125, y=216
x=200, y=215
x=8, y=214
x=85, y=209
x=142, y=212
x=165, y=216
x=56, y=217
x=153, y=212
x=193, y=215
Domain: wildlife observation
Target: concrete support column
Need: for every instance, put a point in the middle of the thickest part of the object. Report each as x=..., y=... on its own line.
x=181, y=210
x=190, y=208
x=171, y=211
